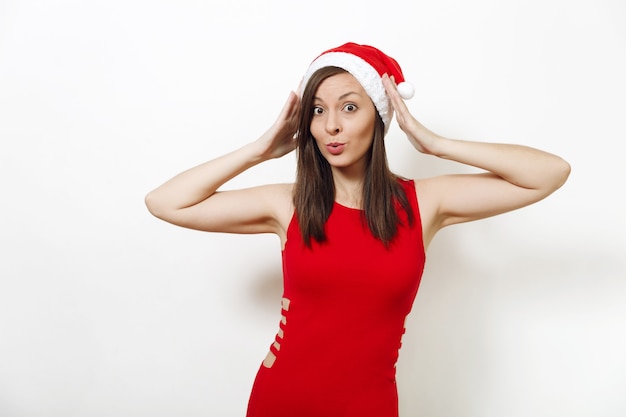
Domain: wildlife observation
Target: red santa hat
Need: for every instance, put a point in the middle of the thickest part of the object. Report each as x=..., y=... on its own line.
x=367, y=64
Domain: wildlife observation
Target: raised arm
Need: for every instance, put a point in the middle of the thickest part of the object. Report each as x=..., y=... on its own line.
x=191, y=199
x=515, y=176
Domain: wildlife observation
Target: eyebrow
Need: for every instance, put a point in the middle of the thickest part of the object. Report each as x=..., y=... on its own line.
x=341, y=97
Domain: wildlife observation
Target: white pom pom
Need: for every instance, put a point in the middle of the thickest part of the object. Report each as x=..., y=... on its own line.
x=406, y=90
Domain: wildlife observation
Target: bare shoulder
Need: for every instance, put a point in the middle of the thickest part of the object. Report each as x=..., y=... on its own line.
x=280, y=196
x=278, y=199
x=428, y=200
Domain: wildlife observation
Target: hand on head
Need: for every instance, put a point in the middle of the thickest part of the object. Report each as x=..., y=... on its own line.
x=280, y=139
x=421, y=138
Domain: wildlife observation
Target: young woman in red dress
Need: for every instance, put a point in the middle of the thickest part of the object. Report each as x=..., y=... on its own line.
x=354, y=235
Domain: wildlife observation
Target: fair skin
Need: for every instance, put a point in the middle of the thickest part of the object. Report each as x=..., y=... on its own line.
x=515, y=176
x=343, y=128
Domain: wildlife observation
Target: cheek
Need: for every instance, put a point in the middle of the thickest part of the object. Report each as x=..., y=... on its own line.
x=366, y=130
x=316, y=131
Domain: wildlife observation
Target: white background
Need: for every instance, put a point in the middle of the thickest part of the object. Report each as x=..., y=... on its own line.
x=106, y=311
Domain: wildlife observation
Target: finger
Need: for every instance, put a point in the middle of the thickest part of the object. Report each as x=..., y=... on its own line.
x=295, y=105
x=396, y=100
x=289, y=108
x=299, y=89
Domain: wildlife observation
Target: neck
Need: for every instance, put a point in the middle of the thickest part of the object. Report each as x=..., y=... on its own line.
x=348, y=188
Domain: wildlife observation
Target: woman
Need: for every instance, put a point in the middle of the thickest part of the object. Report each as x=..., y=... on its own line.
x=353, y=235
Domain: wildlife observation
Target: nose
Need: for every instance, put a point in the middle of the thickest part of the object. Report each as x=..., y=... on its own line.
x=333, y=125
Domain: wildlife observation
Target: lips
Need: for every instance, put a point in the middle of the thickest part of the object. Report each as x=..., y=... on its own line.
x=335, y=148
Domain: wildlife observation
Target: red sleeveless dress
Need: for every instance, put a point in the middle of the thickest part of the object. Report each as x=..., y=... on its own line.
x=349, y=298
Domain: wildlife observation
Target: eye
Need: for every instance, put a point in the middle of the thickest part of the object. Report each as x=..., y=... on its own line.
x=317, y=110
x=350, y=107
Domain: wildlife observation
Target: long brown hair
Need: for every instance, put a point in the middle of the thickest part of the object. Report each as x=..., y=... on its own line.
x=314, y=191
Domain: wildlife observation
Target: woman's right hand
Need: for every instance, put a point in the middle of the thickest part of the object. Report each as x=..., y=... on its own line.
x=190, y=199
x=280, y=138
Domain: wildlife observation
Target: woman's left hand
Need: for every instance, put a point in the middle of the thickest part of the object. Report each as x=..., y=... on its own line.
x=422, y=139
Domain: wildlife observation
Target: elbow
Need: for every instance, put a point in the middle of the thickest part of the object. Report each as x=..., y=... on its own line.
x=562, y=173
x=160, y=207
x=556, y=176
x=153, y=205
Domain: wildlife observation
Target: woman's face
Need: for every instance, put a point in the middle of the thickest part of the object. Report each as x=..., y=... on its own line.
x=343, y=121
